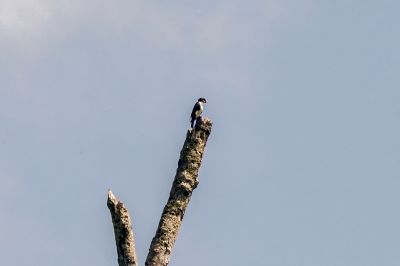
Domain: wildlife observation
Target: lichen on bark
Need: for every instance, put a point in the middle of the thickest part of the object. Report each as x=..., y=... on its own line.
x=186, y=180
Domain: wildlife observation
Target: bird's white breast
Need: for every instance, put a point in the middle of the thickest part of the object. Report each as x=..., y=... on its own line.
x=198, y=112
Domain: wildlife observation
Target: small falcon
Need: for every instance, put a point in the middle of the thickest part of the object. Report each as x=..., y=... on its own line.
x=197, y=110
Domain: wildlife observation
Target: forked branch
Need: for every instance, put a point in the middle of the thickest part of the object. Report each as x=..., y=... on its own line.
x=182, y=188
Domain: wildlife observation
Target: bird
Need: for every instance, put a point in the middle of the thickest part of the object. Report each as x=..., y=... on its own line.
x=197, y=110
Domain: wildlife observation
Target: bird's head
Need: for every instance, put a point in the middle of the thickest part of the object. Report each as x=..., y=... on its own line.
x=203, y=100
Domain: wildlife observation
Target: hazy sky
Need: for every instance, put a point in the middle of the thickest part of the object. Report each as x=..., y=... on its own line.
x=302, y=167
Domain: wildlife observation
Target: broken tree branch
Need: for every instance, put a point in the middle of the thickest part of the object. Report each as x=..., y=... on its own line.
x=123, y=232
x=184, y=183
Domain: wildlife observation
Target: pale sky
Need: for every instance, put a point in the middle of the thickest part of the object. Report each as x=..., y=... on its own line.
x=301, y=169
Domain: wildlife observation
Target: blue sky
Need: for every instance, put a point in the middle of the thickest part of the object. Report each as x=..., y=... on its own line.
x=302, y=167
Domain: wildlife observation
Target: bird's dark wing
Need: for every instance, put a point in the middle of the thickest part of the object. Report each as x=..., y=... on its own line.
x=196, y=108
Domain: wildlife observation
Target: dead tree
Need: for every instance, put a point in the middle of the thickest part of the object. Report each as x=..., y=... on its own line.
x=182, y=188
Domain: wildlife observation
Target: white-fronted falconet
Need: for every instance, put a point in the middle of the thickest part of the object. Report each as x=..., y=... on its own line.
x=197, y=110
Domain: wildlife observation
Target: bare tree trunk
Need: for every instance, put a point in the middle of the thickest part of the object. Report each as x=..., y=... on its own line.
x=123, y=232
x=184, y=183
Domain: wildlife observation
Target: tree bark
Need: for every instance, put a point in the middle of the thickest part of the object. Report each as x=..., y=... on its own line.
x=182, y=187
x=123, y=232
